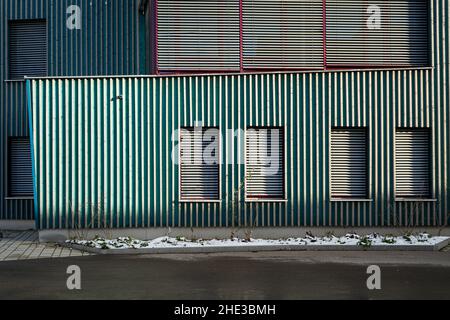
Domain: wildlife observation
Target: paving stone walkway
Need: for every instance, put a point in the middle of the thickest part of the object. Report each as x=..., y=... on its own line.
x=25, y=246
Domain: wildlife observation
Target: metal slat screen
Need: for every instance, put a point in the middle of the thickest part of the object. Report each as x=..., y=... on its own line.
x=199, y=166
x=412, y=164
x=348, y=164
x=198, y=35
x=265, y=163
x=27, y=48
x=282, y=34
x=377, y=33
x=20, y=170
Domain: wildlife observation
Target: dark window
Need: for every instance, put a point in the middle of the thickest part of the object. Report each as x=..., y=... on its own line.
x=412, y=163
x=282, y=34
x=199, y=164
x=349, y=163
x=380, y=33
x=27, y=48
x=20, y=175
x=198, y=35
x=265, y=163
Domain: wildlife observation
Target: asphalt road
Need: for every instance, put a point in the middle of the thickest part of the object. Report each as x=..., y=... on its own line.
x=285, y=275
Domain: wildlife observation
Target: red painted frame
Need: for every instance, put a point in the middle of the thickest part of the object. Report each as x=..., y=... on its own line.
x=241, y=68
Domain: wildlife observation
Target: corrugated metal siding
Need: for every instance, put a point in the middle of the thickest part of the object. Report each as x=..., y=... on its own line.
x=282, y=34
x=198, y=35
x=199, y=176
x=412, y=164
x=118, y=152
x=27, y=49
x=108, y=43
x=349, y=164
x=402, y=38
x=264, y=163
x=20, y=179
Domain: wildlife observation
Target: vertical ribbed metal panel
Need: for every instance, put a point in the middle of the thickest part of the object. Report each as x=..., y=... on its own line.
x=348, y=163
x=354, y=38
x=199, y=166
x=119, y=154
x=412, y=164
x=20, y=180
x=282, y=34
x=110, y=42
x=27, y=49
x=264, y=164
x=198, y=35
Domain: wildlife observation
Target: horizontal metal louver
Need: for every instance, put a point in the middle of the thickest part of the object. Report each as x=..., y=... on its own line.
x=198, y=35
x=282, y=34
x=199, y=151
x=412, y=163
x=27, y=48
x=20, y=168
x=377, y=33
x=349, y=163
x=264, y=163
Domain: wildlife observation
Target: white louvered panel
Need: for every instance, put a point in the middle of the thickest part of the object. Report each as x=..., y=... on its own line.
x=401, y=40
x=348, y=163
x=282, y=34
x=198, y=35
x=264, y=163
x=27, y=48
x=199, y=165
x=20, y=170
x=412, y=164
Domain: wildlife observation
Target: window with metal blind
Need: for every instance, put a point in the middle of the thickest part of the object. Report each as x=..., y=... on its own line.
x=412, y=163
x=27, y=48
x=349, y=163
x=371, y=33
x=282, y=34
x=198, y=35
x=20, y=175
x=199, y=164
x=265, y=163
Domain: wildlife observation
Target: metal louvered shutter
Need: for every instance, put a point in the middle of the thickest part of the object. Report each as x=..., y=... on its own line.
x=198, y=35
x=199, y=173
x=27, y=48
x=264, y=163
x=20, y=171
x=282, y=34
x=400, y=40
x=348, y=163
x=412, y=163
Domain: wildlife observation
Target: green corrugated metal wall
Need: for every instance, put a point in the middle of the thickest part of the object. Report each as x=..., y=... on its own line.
x=106, y=162
x=109, y=43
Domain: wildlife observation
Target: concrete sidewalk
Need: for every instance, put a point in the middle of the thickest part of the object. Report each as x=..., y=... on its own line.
x=25, y=246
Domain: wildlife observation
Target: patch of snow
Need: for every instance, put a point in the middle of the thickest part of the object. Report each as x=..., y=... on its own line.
x=180, y=242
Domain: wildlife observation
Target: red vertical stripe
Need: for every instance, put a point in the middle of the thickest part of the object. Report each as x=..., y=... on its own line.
x=156, y=38
x=241, y=35
x=324, y=28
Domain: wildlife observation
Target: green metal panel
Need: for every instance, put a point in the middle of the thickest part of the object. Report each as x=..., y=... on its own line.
x=110, y=42
x=103, y=161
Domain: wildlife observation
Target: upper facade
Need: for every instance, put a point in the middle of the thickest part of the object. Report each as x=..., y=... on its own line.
x=267, y=35
x=122, y=37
